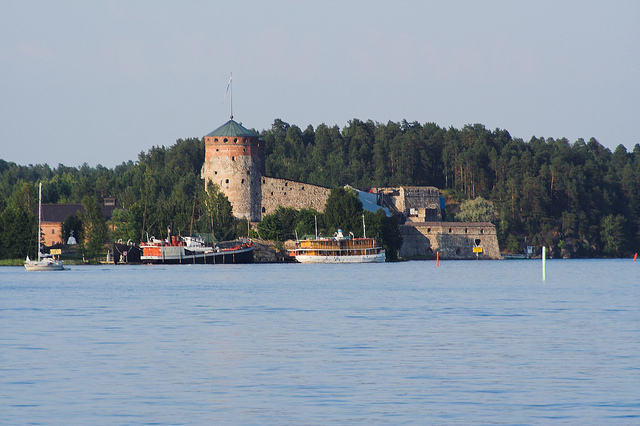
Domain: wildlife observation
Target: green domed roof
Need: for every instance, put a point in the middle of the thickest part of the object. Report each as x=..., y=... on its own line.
x=231, y=128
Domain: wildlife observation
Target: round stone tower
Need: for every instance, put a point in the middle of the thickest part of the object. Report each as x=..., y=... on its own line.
x=234, y=160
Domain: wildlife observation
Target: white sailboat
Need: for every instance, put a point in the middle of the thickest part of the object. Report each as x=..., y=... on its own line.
x=45, y=262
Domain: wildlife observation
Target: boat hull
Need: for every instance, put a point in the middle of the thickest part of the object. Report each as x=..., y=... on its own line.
x=180, y=255
x=368, y=258
x=41, y=266
x=126, y=253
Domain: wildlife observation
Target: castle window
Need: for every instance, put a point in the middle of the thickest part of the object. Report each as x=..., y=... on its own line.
x=53, y=231
x=217, y=150
x=216, y=139
x=465, y=230
x=263, y=181
x=428, y=229
x=226, y=140
x=235, y=140
x=285, y=193
x=271, y=192
x=264, y=210
x=286, y=184
x=449, y=230
x=226, y=181
x=482, y=231
x=215, y=172
x=302, y=189
x=242, y=181
x=249, y=172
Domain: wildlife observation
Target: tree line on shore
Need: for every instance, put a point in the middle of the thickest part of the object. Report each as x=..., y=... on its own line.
x=579, y=199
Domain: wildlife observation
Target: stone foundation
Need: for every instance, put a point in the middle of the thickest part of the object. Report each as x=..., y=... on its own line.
x=453, y=240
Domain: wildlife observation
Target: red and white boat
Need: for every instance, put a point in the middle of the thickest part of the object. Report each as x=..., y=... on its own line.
x=185, y=250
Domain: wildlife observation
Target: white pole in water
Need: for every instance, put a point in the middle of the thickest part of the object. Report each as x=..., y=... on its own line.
x=544, y=259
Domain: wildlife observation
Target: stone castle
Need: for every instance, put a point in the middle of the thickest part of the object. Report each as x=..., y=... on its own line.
x=235, y=160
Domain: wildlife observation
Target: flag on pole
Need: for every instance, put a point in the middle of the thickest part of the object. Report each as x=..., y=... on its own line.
x=228, y=85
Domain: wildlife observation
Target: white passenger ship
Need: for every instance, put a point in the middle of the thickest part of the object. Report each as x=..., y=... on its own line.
x=338, y=249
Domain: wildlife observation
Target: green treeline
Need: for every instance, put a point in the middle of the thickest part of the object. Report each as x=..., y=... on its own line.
x=580, y=199
x=162, y=189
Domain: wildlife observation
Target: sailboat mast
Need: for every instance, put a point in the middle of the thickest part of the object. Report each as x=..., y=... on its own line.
x=39, y=218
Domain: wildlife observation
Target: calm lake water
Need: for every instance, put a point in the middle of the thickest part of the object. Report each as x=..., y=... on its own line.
x=403, y=343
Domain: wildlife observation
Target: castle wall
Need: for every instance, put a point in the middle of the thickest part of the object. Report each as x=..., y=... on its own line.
x=453, y=240
x=288, y=193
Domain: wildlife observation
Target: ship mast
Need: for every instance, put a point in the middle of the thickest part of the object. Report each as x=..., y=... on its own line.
x=39, y=218
x=364, y=229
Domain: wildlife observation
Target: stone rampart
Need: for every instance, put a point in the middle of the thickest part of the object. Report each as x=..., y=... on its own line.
x=453, y=240
x=288, y=193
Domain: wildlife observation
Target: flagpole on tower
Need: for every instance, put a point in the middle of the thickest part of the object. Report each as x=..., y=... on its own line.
x=229, y=86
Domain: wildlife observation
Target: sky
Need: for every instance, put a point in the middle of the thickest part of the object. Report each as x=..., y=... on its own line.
x=98, y=81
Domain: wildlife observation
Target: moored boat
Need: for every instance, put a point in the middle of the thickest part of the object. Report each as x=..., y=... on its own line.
x=126, y=252
x=338, y=249
x=46, y=261
x=186, y=250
